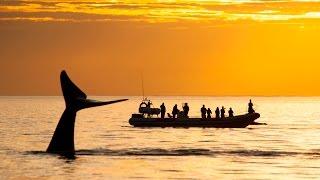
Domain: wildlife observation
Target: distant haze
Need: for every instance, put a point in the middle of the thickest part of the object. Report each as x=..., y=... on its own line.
x=180, y=47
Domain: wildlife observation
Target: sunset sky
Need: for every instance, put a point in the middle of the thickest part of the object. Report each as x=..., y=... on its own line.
x=182, y=47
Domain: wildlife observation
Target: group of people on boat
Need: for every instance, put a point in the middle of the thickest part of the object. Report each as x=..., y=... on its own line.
x=175, y=111
x=205, y=112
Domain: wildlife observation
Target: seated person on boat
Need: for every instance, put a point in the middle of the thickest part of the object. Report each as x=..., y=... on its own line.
x=209, y=112
x=175, y=111
x=230, y=112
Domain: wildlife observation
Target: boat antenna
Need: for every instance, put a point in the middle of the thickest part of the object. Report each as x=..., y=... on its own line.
x=142, y=85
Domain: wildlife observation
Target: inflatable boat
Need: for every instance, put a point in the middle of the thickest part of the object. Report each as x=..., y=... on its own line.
x=241, y=121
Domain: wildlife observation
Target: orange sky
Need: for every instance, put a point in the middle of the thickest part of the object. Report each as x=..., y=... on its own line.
x=218, y=47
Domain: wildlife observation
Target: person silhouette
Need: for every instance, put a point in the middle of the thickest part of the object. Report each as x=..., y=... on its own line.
x=175, y=111
x=230, y=112
x=217, y=113
x=222, y=112
x=203, y=112
x=149, y=105
x=250, y=107
x=186, y=110
x=209, y=112
x=149, y=109
x=162, y=110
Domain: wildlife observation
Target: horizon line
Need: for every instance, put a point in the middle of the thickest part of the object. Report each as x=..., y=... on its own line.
x=167, y=96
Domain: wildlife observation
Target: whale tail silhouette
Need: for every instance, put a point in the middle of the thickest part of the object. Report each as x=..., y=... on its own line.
x=77, y=99
x=62, y=141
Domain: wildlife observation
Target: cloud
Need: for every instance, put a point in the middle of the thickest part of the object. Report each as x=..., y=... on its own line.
x=160, y=11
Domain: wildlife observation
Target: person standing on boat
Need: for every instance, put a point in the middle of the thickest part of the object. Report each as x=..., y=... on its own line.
x=203, y=112
x=217, y=113
x=148, y=108
x=186, y=110
x=149, y=105
x=162, y=110
x=175, y=111
x=250, y=107
x=222, y=112
x=230, y=112
x=209, y=112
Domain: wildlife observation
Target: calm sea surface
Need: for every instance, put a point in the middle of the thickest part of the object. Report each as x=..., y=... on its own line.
x=108, y=148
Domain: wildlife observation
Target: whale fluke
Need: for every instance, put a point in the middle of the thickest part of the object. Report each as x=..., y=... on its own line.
x=62, y=141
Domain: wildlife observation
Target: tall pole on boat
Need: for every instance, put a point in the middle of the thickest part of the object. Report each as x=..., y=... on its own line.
x=142, y=84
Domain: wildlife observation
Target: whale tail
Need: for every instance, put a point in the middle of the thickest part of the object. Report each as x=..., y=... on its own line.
x=62, y=141
x=77, y=99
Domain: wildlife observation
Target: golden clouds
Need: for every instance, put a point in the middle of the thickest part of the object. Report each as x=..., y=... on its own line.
x=242, y=47
x=216, y=12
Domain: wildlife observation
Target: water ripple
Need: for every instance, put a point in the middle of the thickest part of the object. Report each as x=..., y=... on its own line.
x=182, y=152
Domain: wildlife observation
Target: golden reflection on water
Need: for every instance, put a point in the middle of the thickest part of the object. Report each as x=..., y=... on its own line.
x=108, y=148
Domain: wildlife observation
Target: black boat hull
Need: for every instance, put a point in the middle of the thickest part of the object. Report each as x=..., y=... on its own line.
x=240, y=121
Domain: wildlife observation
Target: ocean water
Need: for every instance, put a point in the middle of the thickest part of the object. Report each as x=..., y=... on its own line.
x=109, y=148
